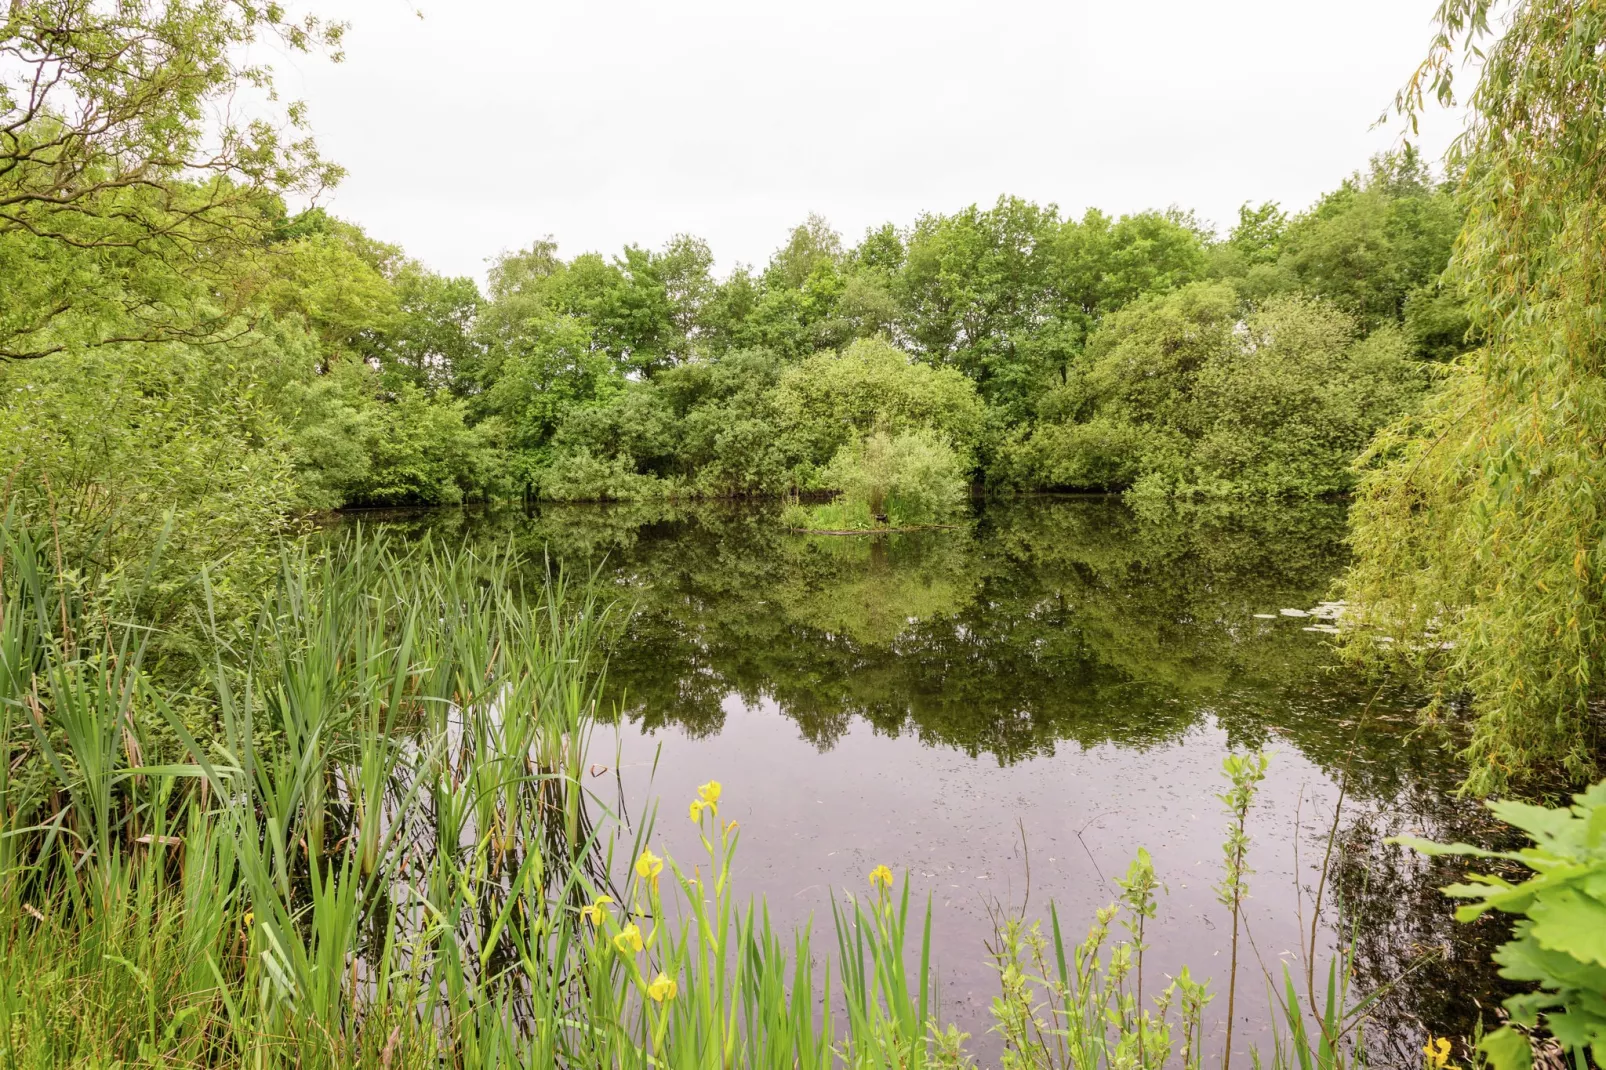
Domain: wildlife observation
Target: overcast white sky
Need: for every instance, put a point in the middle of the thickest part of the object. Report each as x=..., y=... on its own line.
x=487, y=123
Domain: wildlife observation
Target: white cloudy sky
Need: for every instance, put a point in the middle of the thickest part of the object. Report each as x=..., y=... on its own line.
x=487, y=123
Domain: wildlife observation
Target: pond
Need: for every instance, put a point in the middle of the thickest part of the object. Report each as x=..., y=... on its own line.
x=1008, y=710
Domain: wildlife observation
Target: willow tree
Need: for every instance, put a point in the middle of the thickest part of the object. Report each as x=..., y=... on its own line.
x=1479, y=531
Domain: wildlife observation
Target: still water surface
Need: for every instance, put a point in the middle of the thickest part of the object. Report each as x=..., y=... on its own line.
x=1009, y=710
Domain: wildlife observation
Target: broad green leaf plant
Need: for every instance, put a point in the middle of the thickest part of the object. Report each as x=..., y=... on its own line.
x=1560, y=941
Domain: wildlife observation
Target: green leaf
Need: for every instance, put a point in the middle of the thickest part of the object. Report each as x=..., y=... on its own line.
x=1565, y=920
x=1439, y=850
x=1507, y=1049
x=1524, y=959
x=1576, y=1031
x=1542, y=822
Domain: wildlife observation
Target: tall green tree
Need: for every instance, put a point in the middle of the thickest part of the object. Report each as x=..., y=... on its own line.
x=1008, y=295
x=1376, y=240
x=975, y=284
x=432, y=341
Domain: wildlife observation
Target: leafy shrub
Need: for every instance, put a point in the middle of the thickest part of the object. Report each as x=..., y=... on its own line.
x=635, y=422
x=829, y=399
x=354, y=447
x=1103, y=453
x=910, y=478
x=423, y=451
x=1181, y=395
x=744, y=457
x=127, y=447
x=731, y=442
x=582, y=477
x=1560, y=943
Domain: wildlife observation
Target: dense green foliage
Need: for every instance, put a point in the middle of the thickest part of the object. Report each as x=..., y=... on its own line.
x=1182, y=392
x=649, y=367
x=1560, y=943
x=321, y=368
x=887, y=480
x=131, y=192
x=1479, y=530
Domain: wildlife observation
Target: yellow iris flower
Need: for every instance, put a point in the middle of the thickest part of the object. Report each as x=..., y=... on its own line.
x=709, y=793
x=648, y=867
x=629, y=940
x=663, y=987
x=595, y=912
x=696, y=811
x=881, y=877
x=1438, y=1052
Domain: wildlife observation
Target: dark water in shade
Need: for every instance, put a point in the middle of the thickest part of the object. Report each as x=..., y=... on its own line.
x=1013, y=708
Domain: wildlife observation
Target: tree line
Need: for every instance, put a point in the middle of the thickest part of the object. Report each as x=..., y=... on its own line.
x=1047, y=352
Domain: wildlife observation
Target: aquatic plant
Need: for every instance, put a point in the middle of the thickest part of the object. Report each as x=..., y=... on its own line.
x=1081, y=1005
x=1246, y=773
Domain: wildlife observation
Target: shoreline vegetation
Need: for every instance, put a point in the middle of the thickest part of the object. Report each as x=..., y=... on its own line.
x=364, y=839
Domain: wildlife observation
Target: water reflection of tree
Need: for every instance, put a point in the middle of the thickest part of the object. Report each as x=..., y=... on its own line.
x=870, y=591
x=1050, y=622
x=1045, y=622
x=1435, y=972
x=1042, y=623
